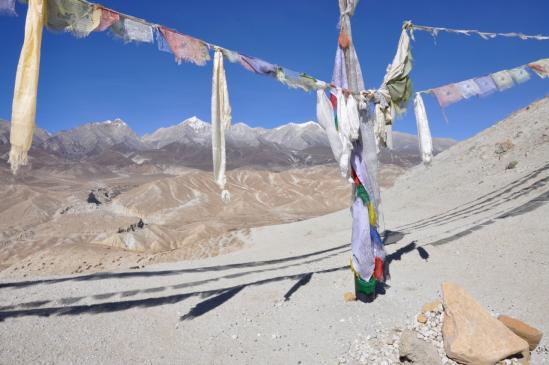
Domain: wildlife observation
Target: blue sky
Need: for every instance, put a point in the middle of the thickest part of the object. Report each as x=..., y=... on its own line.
x=99, y=78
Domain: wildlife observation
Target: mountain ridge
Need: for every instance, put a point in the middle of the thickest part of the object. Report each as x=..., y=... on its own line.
x=188, y=143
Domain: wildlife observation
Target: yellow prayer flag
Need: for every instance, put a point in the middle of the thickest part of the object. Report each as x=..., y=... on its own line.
x=23, y=113
x=372, y=214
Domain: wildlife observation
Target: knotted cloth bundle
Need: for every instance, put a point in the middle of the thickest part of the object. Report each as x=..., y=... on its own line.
x=397, y=80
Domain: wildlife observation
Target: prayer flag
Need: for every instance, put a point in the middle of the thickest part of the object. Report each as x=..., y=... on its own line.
x=295, y=80
x=232, y=56
x=78, y=17
x=108, y=18
x=339, y=76
x=257, y=65
x=161, y=41
x=503, y=80
x=447, y=95
x=138, y=31
x=7, y=7
x=486, y=85
x=541, y=67
x=467, y=88
x=132, y=30
x=519, y=74
x=186, y=48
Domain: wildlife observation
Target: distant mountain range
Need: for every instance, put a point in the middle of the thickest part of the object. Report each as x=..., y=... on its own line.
x=188, y=144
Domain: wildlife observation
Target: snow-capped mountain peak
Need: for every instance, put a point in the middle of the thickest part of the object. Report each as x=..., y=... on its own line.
x=298, y=125
x=109, y=123
x=195, y=123
x=191, y=130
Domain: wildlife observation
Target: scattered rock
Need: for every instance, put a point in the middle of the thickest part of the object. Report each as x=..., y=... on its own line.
x=102, y=195
x=530, y=334
x=421, y=318
x=432, y=306
x=349, y=296
x=132, y=227
x=92, y=199
x=511, y=165
x=471, y=334
x=415, y=351
x=503, y=147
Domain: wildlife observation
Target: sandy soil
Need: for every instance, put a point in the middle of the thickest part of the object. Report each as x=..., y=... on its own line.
x=469, y=218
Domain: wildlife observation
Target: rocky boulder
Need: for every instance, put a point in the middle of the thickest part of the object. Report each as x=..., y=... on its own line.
x=413, y=350
x=471, y=335
x=530, y=334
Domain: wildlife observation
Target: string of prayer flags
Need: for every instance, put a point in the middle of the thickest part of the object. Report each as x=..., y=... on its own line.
x=434, y=31
x=480, y=86
x=486, y=85
x=81, y=17
x=7, y=7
